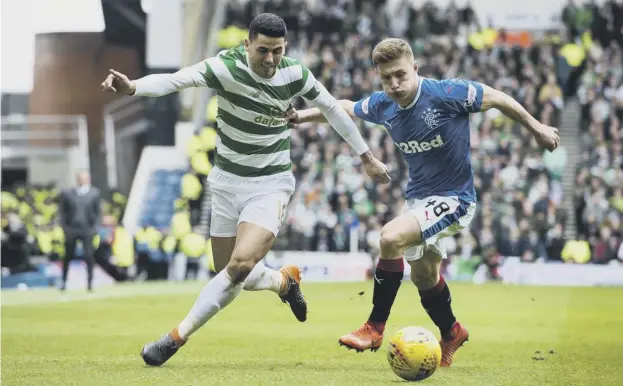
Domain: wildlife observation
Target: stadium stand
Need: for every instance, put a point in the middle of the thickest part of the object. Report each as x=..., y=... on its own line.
x=523, y=208
x=599, y=197
x=30, y=228
x=163, y=190
x=335, y=202
x=524, y=193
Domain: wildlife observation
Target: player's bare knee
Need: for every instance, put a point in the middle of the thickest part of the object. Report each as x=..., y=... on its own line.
x=391, y=239
x=239, y=268
x=399, y=234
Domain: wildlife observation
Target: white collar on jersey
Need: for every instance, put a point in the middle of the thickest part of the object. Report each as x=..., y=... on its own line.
x=417, y=95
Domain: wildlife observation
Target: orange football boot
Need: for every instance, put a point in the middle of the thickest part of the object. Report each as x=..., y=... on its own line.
x=365, y=338
x=448, y=347
x=291, y=292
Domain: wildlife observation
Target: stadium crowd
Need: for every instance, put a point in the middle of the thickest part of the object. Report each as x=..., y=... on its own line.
x=31, y=227
x=599, y=197
x=518, y=185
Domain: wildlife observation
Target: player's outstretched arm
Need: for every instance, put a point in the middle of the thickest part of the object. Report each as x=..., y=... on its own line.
x=546, y=136
x=315, y=115
x=155, y=85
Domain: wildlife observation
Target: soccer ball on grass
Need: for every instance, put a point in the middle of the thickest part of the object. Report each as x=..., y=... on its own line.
x=414, y=353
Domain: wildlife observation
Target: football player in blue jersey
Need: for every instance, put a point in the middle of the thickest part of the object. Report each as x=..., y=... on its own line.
x=429, y=121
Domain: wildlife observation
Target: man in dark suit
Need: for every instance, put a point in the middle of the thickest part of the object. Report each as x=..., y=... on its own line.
x=80, y=215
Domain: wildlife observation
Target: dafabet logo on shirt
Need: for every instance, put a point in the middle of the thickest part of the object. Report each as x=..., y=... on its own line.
x=269, y=121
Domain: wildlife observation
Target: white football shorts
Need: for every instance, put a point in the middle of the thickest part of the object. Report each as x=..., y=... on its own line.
x=258, y=200
x=439, y=217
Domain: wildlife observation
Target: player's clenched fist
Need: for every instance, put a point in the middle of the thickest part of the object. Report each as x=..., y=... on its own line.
x=119, y=83
x=547, y=137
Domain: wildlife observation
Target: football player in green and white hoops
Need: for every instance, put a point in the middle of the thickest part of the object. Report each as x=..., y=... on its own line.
x=252, y=180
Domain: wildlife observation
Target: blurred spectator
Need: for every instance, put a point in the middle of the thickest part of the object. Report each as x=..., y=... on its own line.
x=14, y=245
x=192, y=245
x=555, y=243
x=576, y=252
x=114, y=251
x=191, y=192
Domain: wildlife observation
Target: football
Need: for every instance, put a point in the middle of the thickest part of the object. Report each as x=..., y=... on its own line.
x=414, y=353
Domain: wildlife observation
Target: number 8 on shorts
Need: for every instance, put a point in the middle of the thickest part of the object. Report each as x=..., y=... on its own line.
x=441, y=216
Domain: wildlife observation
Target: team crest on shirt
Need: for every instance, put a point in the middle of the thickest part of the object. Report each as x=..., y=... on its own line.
x=431, y=118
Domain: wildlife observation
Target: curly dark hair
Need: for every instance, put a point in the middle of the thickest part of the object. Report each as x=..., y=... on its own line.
x=268, y=24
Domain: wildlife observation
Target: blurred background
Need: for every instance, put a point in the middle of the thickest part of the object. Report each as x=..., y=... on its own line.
x=543, y=218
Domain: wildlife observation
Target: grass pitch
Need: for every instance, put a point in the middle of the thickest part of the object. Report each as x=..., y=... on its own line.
x=94, y=339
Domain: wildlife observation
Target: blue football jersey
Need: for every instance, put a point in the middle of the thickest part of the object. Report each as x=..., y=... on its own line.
x=433, y=134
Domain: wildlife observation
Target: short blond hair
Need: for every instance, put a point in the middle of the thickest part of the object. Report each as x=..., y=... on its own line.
x=390, y=49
